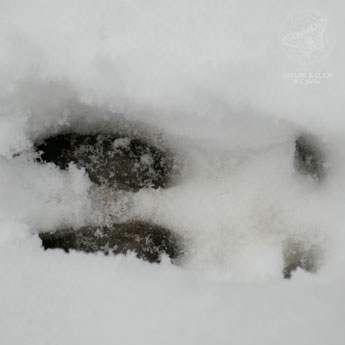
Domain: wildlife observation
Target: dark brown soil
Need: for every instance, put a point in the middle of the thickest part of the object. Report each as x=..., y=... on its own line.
x=127, y=164
x=146, y=240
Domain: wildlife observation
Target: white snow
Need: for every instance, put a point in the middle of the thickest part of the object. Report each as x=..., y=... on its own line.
x=205, y=79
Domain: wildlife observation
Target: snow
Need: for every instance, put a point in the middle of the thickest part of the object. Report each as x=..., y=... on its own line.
x=206, y=80
x=91, y=299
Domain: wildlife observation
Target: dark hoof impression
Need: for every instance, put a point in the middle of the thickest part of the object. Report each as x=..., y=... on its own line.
x=147, y=241
x=296, y=255
x=122, y=162
x=309, y=158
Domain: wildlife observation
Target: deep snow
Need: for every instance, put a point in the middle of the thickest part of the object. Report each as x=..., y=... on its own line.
x=205, y=79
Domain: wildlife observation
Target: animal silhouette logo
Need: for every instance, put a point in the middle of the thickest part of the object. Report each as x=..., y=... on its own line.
x=307, y=37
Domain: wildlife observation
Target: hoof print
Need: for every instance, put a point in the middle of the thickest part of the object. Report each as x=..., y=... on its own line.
x=146, y=240
x=297, y=255
x=309, y=158
x=122, y=162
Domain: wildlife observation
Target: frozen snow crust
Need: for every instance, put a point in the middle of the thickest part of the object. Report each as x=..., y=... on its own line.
x=204, y=81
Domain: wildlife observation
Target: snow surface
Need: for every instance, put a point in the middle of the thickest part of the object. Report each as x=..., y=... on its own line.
x=204, y=79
